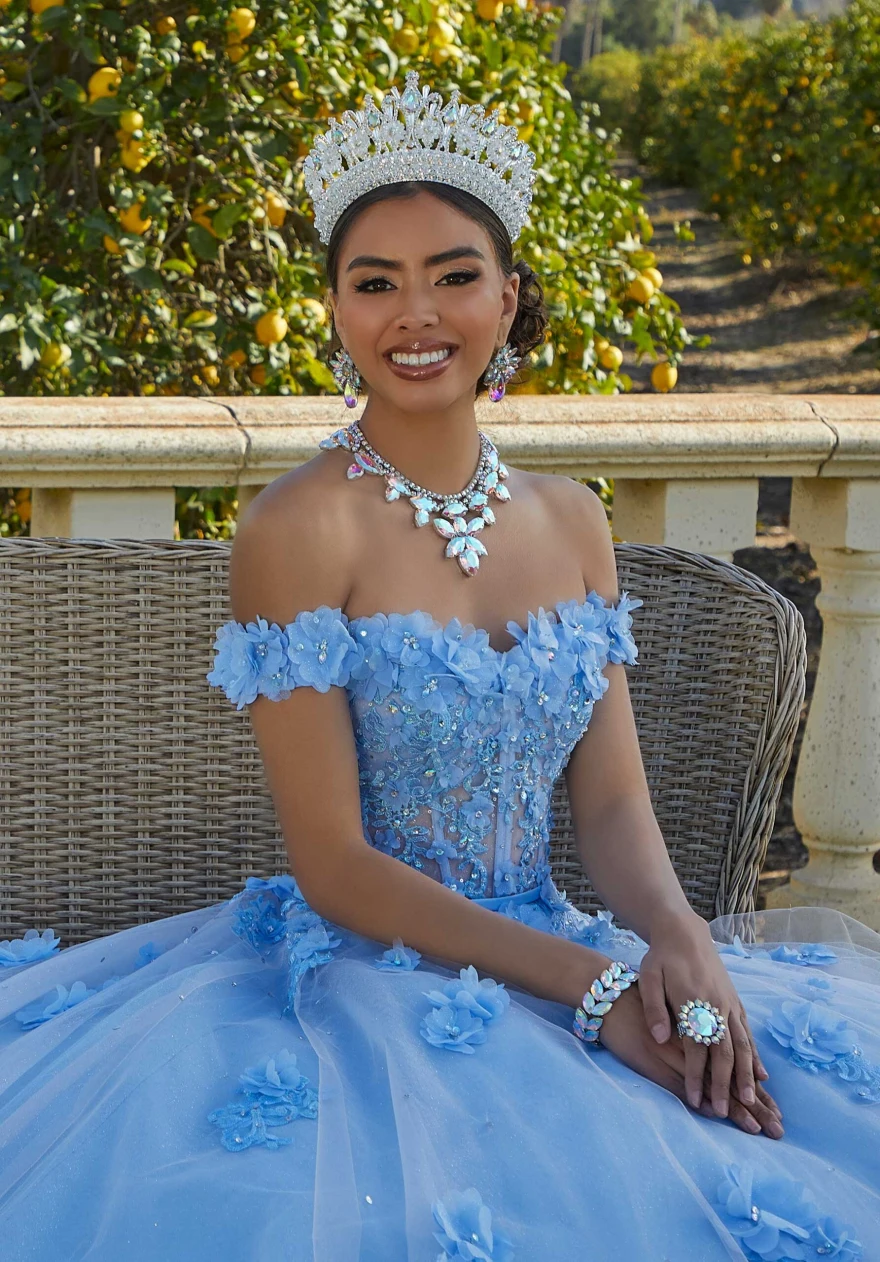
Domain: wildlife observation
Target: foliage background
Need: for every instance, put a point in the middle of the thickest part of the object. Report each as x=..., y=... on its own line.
x=781, y=133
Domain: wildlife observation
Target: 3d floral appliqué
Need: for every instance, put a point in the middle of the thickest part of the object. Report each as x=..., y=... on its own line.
x=275, y=1093
x=466, y=1229
x=29, y=948
x=819, y=1040
x=773, y=1218
x=398, y=958
x=463, y=1007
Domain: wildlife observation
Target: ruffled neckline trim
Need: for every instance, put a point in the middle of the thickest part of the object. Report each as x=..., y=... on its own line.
x=516, y=629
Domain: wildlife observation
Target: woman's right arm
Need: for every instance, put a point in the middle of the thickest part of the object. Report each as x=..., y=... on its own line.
x=287, y=559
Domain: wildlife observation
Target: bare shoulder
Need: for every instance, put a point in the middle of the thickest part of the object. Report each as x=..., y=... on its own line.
x=293, y=546
x=583, y=521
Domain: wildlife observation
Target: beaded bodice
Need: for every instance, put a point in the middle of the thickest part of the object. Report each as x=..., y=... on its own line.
x=459, y=743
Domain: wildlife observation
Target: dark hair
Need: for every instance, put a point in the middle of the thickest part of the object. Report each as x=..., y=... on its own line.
x=530, y=322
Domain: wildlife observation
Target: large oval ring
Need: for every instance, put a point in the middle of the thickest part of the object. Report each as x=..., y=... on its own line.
x=701, y=1021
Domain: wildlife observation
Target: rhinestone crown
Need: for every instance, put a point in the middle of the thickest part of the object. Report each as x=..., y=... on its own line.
x=409, y=138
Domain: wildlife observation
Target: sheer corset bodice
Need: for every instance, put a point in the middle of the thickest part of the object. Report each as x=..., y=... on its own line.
x=459, y=744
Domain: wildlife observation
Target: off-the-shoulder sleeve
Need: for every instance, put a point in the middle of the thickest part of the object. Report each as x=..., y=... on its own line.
x=264, y=659
x=618, y=623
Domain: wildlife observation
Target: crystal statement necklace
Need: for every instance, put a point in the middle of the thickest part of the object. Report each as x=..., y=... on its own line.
x=462, y=534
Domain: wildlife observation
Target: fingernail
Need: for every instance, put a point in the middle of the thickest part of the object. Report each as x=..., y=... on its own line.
x=748, y=1095
x=659, y=1032
x=752, y=1125
x=721, y=1108
x=695, y=1097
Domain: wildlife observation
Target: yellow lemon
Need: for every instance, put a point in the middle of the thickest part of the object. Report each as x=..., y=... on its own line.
x=406, y=40
x=601, y=344
x=664, y=377
x=654, y=275
x=131, y=120
x=526, y=111
x=441, y=32
x=133, y=156
x=165, y=26
x=40, y=6
x=235, y=52
x=111, y=246
x=242, y=22
x=209, y=374
x=258, y=374
x=314, y=309
x=235, y=359
x=132, y=220
x=276, y=209
x=611, y=358
x=490, y=10
x=640, y=289
x=104, y=82
x=54, y=355
x=271, y=328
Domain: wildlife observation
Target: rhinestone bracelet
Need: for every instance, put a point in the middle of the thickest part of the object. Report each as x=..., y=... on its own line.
x=607, y=987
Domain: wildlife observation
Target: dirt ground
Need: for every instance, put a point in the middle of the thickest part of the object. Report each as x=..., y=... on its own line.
x=778, y=330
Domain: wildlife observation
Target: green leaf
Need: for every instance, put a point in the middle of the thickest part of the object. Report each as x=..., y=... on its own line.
x=227, y=217
x=177, y=265
x=10, y=90
x=203, y=244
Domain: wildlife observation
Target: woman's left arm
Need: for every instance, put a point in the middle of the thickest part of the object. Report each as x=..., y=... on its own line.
x=624, y=854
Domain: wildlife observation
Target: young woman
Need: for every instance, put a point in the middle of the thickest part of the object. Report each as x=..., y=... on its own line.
x=415, y=1047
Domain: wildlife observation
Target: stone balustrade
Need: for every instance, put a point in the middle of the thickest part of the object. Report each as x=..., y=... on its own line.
x=685, y=469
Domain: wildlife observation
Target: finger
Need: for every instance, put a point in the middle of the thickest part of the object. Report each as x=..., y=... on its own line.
x=766, y=1098
x=743, y=1063
x=653, y=993
x=722, y=1059
x=761, y=1070
x=764, y=1115
x=695, y=1058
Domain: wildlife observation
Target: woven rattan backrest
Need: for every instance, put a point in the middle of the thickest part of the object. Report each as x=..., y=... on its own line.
x=131, y=790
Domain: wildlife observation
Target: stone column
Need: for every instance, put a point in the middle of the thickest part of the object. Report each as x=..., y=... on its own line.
x=836, y=801
x=715, y=516
x=120, y=512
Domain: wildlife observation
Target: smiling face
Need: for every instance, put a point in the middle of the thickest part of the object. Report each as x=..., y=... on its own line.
x=418, y=277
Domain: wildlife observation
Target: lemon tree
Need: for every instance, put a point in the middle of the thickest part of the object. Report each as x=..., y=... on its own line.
x=153, y=215
x=781, y=133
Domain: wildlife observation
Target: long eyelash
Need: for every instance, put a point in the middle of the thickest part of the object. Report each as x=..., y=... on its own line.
x=362, y=287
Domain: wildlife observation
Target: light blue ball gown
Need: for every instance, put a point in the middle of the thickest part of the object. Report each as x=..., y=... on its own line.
x=249, y=1081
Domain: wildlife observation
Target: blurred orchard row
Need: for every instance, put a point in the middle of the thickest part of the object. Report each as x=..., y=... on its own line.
x=779, y=130
x=155, y=233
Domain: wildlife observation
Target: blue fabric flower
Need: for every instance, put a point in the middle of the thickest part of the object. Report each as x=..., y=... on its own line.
x=275, y=1092
x=621, y=645
x=148, y=952
x=814, y=1036
x=28, y=949
x=464, y=652
x=817, y=988
x=486, y=999
x=770, y=1215
x=466, y=1229
x=49, y=1006
x=833, y=1239
x=735, y=948
x=807, y=953
x=456, y=1029
x=250, y=660
x=320, y=648
x=398, y=958
x=314, y=947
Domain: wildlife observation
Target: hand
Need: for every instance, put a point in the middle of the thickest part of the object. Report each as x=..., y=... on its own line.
x=624, y=1031
x=683, y=963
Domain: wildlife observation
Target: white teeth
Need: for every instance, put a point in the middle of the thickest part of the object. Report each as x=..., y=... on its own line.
x=427, y=357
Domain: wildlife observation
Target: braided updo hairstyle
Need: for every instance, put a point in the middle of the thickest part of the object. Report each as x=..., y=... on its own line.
x=530, y=322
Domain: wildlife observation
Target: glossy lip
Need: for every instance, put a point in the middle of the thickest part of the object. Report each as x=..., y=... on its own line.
x=420, y=372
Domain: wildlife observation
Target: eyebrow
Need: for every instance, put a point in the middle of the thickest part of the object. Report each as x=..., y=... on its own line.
x=457, y=252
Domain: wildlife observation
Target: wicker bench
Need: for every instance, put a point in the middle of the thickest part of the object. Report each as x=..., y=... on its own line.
x=131, y=790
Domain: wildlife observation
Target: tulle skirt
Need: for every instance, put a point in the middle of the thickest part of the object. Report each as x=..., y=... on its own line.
x=249, y=1081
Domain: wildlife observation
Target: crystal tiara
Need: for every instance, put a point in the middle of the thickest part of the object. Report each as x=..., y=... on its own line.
x=409, y=138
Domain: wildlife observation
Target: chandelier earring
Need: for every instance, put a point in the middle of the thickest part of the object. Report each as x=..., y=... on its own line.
x=502, y=367
x=346, y=375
